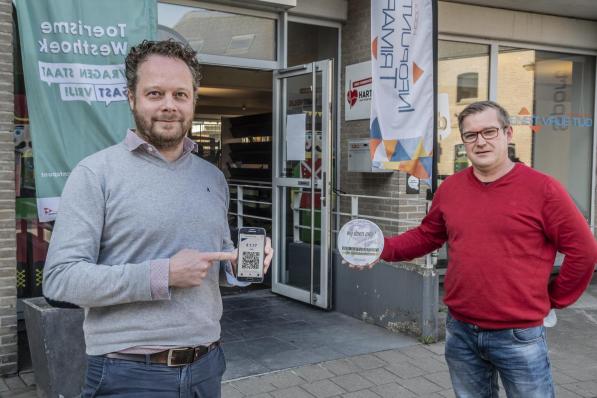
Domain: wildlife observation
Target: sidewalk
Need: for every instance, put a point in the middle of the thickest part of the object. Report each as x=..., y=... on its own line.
x=421, y=371
x=413, y=371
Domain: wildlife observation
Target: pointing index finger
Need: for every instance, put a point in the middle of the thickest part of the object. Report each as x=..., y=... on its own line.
x=218, y=256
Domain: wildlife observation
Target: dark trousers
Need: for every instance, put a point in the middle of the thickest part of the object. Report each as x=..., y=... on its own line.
x=109, y=377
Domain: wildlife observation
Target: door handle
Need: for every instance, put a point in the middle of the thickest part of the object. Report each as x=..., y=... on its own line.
x=324, y=190
x=292, y=69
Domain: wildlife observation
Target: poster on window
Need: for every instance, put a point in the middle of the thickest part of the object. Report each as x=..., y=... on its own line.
x=73, y=57
x=402, y=104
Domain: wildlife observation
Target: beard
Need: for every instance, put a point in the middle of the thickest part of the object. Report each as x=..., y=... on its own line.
x=148, y=129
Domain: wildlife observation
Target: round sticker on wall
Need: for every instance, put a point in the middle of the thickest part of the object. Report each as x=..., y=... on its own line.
x=360, y=242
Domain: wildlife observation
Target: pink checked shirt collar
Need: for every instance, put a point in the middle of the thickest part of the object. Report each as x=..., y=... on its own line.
x=132, y=141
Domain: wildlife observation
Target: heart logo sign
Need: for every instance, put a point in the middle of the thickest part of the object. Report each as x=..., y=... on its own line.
x=352, y=96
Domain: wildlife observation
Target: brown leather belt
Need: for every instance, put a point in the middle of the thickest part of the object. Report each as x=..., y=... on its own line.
x=172, y=357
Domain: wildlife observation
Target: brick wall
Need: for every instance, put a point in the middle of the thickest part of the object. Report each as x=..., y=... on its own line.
x=405, y=210
x=8, y=290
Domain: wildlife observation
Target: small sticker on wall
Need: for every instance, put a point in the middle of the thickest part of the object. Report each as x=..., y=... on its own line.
x=413, y=184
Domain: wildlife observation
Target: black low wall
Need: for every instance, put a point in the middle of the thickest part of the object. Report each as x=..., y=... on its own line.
x=57, y=348
x=397, y=296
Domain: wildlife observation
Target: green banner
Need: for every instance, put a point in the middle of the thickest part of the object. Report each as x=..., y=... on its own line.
x=73, y=59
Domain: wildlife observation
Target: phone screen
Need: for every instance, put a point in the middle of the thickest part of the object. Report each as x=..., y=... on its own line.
x=250, y=249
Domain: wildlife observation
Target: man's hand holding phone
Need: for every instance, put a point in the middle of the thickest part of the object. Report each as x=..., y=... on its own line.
x=269, y=255
x=255, y=255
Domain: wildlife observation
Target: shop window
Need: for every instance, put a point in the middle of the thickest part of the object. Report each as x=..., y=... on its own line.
x=460, y=159
x=219, y=33
x=463, y=74
x=467, y=87
x=550, y=98
x=512, y=152
x=32, y=236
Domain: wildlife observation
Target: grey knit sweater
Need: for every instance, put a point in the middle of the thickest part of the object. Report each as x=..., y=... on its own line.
x=121, y=209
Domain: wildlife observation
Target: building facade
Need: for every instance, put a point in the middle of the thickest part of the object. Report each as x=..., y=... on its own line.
x=262, y=70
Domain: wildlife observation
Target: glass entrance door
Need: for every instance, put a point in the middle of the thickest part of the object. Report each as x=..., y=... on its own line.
x=301, y=182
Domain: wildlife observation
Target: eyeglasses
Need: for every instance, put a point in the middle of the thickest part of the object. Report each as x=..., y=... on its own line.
x=471, y=136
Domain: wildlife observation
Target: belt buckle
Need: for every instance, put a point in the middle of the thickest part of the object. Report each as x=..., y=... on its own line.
x=171, y=356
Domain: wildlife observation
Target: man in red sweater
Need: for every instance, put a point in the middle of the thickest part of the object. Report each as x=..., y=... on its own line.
x=504, y=223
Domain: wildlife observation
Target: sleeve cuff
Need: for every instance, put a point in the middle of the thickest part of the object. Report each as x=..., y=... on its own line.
x=387, y=251
x=159, y=278
x=230, y=278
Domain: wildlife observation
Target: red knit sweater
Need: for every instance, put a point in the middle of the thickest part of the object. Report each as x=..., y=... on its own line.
x=502, y=239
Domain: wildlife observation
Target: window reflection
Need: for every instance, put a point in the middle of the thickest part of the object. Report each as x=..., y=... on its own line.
x=463, y=78
x=550, y=98
x=220, y=33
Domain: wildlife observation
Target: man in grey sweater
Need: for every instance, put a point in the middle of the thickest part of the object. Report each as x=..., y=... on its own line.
x=140, y=239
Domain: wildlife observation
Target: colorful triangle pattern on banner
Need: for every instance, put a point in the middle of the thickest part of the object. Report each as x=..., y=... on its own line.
x=406, y=155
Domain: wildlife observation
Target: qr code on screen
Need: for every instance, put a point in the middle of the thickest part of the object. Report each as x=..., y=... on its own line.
x=251, y=260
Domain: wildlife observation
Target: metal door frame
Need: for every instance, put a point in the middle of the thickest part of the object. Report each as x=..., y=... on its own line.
x=279, y=183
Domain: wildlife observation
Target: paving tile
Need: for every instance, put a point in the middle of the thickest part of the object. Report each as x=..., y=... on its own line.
x=341, y=366
x=449, y=393
x=265, y=395
x=3, y=385
x=442, y=379
x=436, y=348
x=305, y=340
x=368, y=361
x=421, y=385
x=415, y=352
x=379, y=376
x=562, y=392
x=352, y=382
x=292, y=392
x=299, y=357
x=14, y=383
x=367, y=345
x=429, y=364
x=266, y=346
x=584, y=388
x=252, y=386
x=392, y=390
x=28, y=392
x=228, y=391
x=235, y=350
x=405, y=370
x=28, y=378
x=283, y=379
x=313, y=373
x=392, y=356
x=243, y=367
x=561, y=378
x=582, y=373
x=253, y=332
x=323, y=389
x=361, y=394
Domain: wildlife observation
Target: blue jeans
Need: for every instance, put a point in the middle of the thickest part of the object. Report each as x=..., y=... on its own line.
x=476, y=356
x=109, y=377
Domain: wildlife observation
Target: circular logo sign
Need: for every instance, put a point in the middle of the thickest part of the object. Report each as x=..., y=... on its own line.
x=360, y=242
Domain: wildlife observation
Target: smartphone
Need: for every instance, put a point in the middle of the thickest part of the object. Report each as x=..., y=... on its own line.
x=251, y=253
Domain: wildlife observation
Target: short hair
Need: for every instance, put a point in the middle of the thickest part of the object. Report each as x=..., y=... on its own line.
x=167, y=48
x=480, y=106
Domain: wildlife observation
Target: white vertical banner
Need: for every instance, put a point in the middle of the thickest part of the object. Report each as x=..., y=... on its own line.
x=402, y=105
